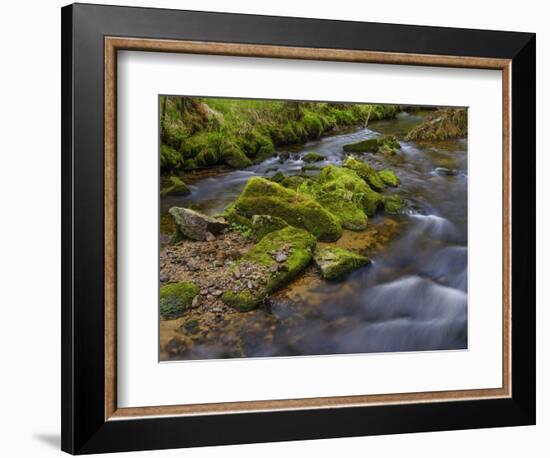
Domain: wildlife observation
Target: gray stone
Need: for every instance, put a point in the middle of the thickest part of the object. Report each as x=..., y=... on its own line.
x=194, y=225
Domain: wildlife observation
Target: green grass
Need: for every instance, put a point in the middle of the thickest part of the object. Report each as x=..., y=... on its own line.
x=203, y=132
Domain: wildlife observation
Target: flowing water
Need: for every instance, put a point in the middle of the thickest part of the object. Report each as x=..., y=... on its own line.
x=414, y=294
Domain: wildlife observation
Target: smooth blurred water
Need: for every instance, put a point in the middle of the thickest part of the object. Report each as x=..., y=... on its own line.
x=414, y=294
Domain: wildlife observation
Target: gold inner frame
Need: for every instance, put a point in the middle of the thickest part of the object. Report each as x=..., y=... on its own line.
x=114, y=44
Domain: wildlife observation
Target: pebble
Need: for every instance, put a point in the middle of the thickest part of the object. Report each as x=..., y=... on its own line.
x=210, y=237
x=196, y=301
x=237, y=273
x=217, y=293
x=204, y=292
x=281, y=257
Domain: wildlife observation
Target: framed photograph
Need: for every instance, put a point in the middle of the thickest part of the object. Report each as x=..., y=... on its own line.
x=280, y=228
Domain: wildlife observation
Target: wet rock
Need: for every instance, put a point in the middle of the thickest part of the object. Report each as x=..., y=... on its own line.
x=445, y=172
x=335, y=263
x=194, y=225
x=283, y=156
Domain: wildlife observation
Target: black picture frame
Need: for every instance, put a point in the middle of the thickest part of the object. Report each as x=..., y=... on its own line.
x=84, y=428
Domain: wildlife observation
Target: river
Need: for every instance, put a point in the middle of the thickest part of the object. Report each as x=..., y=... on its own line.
x=414, y=294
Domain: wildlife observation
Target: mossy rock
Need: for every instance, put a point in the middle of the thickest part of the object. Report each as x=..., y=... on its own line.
x=366, y=172
x=335, y=263
x=387, y=144
x=264, y=197
x=177, y=187
x=348, y=185
x=176, y=298
x=389, y=177
x=293, y=181
x=313, y=157
x=393, y=203
x=364, y=146
x=278, y=177
x=273, y=262
x=389, y=141
x=265, y=224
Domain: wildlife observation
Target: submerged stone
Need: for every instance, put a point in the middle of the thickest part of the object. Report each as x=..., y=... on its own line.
x=335, y=263
x=269, y=265
x=194, y=225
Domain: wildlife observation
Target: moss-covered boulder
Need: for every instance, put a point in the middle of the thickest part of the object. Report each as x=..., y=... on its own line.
x=389, y=177
x=384, y=144
x=269, y=265
x=366, y=172
x=441, y=125
x=176, y=298
x=313, y=157
x=335, y=263
x=348, y=185
x=364, y=146
x=265, y=224
x=264, y=197
x=176, y=187
x=393, y=203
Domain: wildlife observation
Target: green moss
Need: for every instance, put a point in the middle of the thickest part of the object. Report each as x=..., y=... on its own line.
x=393, y=203
x=313, y=157
x=177, y=187
x=235, y=158
x=297, y=246
x=175, y=298
x=389, y=141
x=203, y=132
x=278, y=177
x=365, y=146
x=335, y=263
x=348, y=185
x=389, y=177
x=374, y=145
x=264, y=197
x=441, y=125
x=366, y=172
x=170, y=159
x=265, y=224
x=293, y=182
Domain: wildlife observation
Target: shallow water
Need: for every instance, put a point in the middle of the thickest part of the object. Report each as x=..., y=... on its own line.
x=414, y=294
